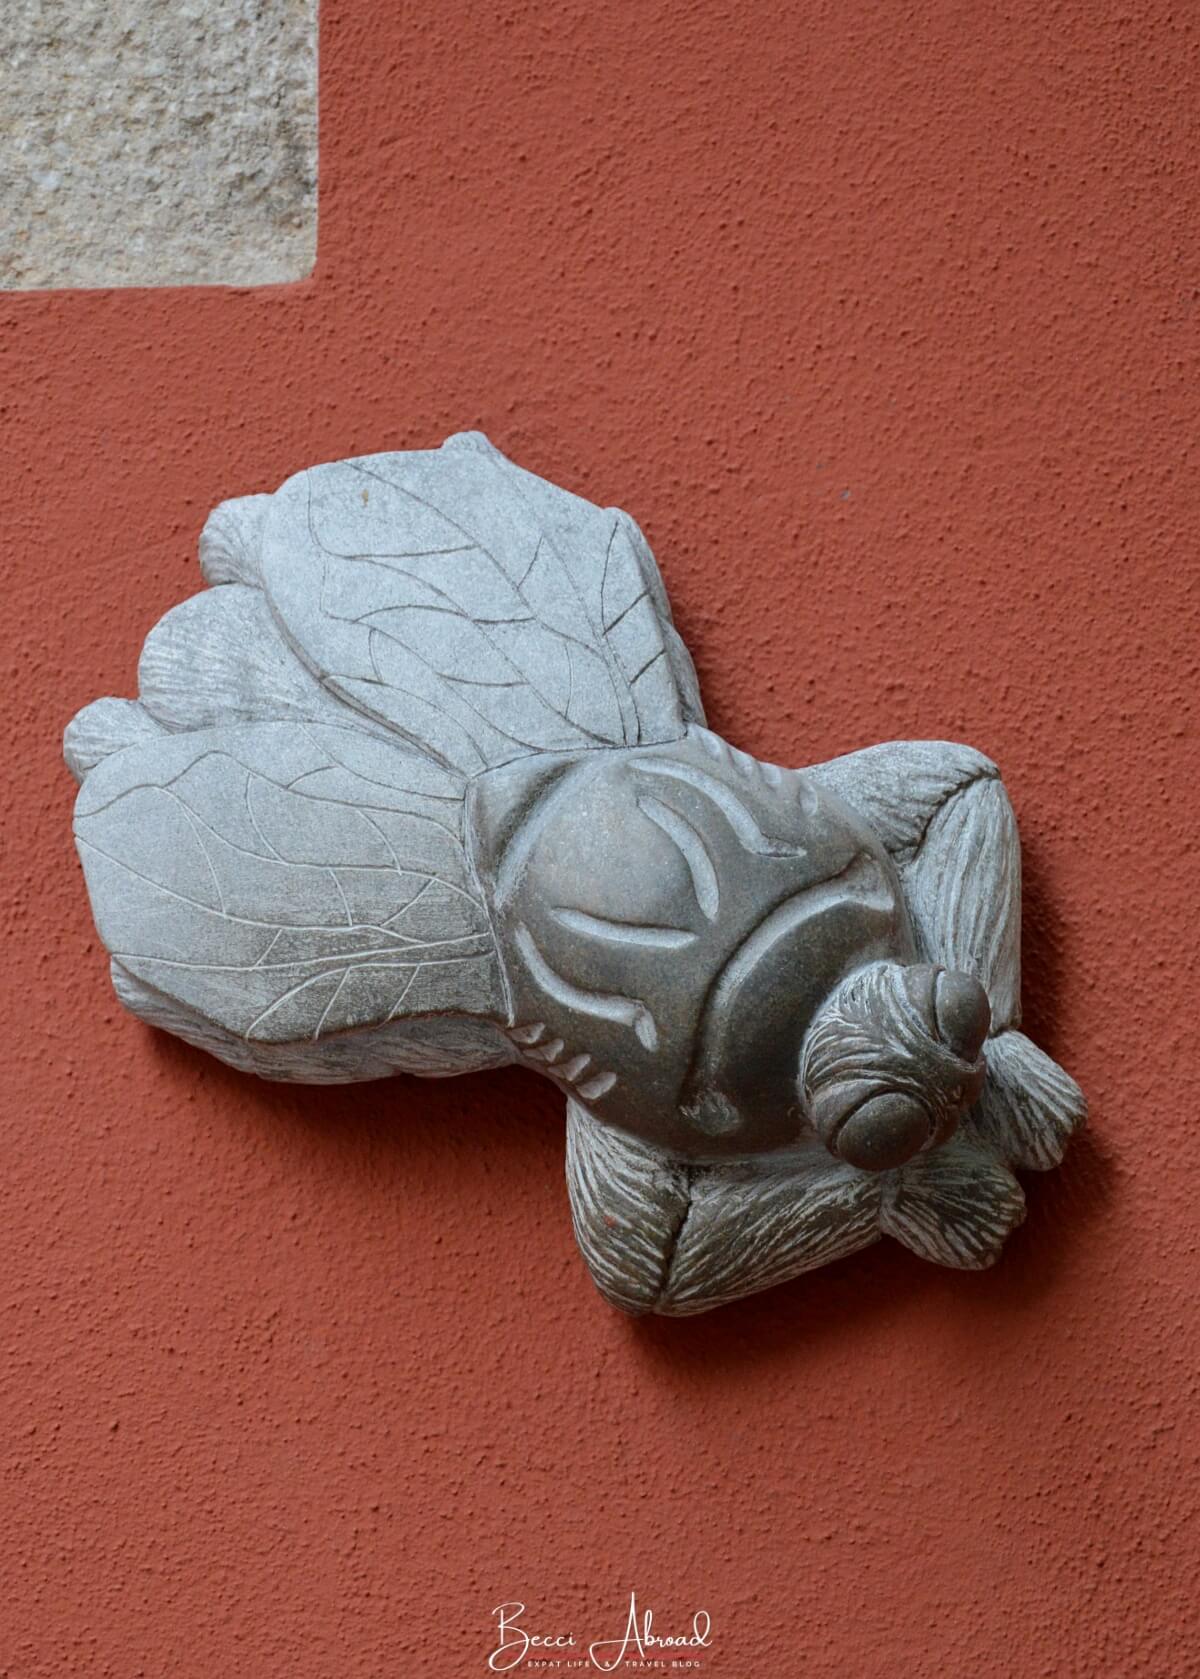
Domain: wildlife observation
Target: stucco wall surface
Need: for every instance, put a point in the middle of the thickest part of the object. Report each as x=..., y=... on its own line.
x=883, y=322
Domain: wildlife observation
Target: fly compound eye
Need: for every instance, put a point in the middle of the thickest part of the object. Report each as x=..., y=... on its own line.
x=883, y=1132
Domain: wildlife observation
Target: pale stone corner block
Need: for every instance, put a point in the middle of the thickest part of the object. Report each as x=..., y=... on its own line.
x=157, y=142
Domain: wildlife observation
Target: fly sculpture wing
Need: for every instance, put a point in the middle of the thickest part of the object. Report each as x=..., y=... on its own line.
x=421, y=784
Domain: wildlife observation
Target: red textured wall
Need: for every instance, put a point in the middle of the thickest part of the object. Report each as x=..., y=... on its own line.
x=883, y=320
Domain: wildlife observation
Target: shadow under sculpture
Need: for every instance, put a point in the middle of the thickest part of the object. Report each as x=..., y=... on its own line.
x=422, y=784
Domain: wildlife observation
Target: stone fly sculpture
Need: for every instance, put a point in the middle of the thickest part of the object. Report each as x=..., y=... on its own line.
x=421, y=784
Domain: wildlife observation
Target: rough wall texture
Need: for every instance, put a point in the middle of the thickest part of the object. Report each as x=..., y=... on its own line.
x=157, y=142
x=883, y=322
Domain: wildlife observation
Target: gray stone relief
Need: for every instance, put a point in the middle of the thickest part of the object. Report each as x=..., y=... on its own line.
x=422, y=784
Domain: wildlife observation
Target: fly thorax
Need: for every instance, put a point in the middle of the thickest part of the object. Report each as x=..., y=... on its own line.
x=672, y=918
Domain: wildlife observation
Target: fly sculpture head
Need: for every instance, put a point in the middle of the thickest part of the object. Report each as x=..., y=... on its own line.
x=421, y=784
